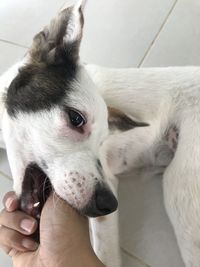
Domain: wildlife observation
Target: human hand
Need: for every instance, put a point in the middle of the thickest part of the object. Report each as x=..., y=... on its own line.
x=64, y=236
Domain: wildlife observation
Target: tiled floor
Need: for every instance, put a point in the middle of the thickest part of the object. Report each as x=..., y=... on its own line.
x=118, y=33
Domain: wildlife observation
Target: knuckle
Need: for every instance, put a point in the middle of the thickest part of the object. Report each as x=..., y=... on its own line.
x=8, y=219
x=9, y=238
x=14, y=240
x=8, y=195
x=3, y=236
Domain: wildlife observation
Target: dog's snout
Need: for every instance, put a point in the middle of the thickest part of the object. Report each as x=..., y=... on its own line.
x=103, y=202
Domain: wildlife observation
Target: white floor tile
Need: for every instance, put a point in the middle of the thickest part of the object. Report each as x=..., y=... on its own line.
x=128, y=261
x=21, y=19
x=4, y=165
x=9, y=55
x=178, y=42
x=145, y=229
x=5, y=260
x=117, y=33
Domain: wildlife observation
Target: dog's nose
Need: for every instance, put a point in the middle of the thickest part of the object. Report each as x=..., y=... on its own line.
x=103, y=202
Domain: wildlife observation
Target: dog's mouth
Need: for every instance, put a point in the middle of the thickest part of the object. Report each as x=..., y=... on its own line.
x=36, y=188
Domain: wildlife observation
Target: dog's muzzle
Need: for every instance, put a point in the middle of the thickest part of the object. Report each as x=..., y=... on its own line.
x=103, y=202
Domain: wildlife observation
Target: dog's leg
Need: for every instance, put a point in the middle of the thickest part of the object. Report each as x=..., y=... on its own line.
x=131, y=149
x=141, y=93
x=182, y=189
x=105, y=236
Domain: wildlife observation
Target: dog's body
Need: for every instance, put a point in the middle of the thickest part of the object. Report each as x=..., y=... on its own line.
x=167, y=99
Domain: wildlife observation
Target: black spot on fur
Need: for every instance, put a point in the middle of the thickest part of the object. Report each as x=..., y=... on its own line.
x=39, y=87
x=125, y=162
x=44, y=164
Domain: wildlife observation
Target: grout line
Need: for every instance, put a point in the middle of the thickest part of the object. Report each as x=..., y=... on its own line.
x=5, y=175
x=135, y=258
x=157, y=34
x=13, y=43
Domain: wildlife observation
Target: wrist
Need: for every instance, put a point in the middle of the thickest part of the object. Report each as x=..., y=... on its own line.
x=87, y=258
x=91, y=260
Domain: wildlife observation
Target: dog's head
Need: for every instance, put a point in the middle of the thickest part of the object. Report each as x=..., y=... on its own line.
x=56, y=120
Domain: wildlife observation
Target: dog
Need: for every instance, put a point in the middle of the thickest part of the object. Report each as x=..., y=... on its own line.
x=71, y=127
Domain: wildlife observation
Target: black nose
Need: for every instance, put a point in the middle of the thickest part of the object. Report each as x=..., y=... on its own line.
x=103, y=202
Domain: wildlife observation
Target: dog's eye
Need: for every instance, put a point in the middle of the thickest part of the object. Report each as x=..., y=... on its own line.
x=76, y=118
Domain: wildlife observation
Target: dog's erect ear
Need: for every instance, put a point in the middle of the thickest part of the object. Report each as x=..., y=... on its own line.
x=118, y=121
x=59, y=42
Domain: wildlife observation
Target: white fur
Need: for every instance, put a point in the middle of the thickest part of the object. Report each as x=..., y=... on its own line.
x=74, y=27
x=31, y=137
x=46, y=136
x=163, y=97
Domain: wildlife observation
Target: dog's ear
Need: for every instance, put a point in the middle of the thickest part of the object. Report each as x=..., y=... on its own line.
x=59, y=42
x=119, y=121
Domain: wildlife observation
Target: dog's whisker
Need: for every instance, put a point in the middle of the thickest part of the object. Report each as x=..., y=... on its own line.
x=55, y=200
x=45, y=188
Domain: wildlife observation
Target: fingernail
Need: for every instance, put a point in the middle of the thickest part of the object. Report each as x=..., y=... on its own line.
x=29, y=244
x=9, y=202
x=27, y=225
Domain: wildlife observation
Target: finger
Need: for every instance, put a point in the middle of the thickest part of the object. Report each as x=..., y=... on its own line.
x=18, y=221
x=11, y=239
x=10, y=201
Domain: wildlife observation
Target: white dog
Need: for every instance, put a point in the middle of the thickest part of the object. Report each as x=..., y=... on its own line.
x=63, y=120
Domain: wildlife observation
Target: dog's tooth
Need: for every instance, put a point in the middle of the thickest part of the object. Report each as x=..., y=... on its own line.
x=36, y=204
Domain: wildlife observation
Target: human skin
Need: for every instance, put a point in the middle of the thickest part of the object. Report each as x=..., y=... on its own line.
x=64, y=236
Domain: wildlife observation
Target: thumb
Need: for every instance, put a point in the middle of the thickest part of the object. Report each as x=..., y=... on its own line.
x=62, y=226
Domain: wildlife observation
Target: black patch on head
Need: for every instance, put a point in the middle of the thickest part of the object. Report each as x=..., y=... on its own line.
x=39, y=87
x=52, y=66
